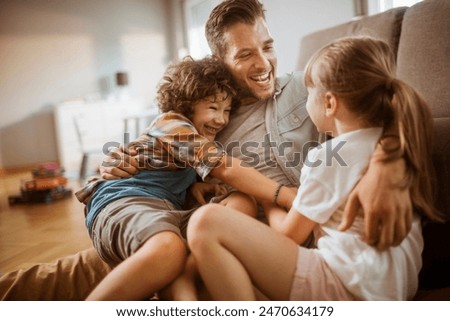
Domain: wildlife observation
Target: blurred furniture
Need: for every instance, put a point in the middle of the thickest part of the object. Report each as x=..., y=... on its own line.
x=420, y=36
x=83, y=140
x=135, y=123
x=88, y=129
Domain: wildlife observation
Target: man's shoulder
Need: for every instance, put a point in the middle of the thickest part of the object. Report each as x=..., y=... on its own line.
x=289, y=79
x=291, y=91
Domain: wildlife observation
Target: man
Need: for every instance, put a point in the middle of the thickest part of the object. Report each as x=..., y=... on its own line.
x=271, y=131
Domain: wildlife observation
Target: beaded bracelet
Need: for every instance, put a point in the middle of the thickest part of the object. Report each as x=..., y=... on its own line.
x=275, y=196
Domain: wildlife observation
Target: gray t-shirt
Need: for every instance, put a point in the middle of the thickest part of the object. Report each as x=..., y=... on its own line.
x=246, y=139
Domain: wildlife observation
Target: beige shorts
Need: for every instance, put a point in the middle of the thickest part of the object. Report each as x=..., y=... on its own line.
x=315, y=281
x=124, y=225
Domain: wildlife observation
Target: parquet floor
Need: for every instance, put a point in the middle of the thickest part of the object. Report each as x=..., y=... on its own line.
x=36, y=233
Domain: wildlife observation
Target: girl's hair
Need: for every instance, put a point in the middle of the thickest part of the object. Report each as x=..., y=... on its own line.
x=361, y=72
x=227, y=14
x=188, y=81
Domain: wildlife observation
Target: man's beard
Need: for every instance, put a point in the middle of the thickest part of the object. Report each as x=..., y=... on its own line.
x=247, y=93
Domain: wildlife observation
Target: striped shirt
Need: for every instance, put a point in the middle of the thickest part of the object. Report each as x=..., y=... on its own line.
x=169, y=145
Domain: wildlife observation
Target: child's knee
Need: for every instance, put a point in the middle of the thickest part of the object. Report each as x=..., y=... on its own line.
x=164, y=246
x=242, y=202
x=202, y=222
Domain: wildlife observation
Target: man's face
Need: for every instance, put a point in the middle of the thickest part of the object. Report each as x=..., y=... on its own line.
x=251, y=59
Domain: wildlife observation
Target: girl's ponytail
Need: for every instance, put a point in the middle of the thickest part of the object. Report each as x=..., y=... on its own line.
x=414, y=124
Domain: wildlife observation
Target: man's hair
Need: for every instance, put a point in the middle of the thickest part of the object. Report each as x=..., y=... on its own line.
x=188, y=81
x=225, y=15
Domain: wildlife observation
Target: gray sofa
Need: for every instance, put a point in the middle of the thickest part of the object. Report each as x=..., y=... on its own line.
x=420, y=36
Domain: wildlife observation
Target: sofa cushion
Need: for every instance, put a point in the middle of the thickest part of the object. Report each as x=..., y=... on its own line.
x=423, y=58
x=436, y=253
x=423, y=61
x=441, y=160
x=385, y=26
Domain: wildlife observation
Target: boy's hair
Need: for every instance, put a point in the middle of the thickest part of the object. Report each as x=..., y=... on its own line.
x=361, y=72
x=226, y=14
x=188, y=81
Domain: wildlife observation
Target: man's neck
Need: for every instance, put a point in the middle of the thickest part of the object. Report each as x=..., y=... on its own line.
x=249, y=101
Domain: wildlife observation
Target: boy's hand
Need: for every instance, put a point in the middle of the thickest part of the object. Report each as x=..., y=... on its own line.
x=199, y=191
x=119, y=163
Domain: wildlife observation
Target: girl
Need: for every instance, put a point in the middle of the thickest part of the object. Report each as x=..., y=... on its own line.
x=354, y=97
x=138, y=224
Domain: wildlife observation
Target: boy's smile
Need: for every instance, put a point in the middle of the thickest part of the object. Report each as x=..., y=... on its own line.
x=211, y=115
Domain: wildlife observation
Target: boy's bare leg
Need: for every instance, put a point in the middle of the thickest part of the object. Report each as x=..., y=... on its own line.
x=185, y=287
x=157, y=263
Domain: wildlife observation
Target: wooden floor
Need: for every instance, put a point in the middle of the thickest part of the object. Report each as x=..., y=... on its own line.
x=36, y=233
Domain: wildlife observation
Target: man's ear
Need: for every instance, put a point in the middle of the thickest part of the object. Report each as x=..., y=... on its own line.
x=331, y=103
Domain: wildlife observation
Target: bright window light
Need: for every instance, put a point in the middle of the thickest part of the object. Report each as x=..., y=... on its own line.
x=389, y=4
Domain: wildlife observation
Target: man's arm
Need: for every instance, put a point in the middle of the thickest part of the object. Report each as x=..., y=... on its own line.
x=249, y=181
x=386, y=203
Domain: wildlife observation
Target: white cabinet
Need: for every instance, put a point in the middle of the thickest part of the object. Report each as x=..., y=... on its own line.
x=99, y=124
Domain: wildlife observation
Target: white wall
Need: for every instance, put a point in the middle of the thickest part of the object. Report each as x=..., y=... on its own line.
x=290, y=20
x=53, y=50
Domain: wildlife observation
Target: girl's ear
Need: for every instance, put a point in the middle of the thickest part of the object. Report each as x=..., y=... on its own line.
x=331, y=104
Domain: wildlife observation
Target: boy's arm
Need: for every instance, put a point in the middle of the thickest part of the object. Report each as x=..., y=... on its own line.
x=385, y=203
x=119, y=163
x=201, y=190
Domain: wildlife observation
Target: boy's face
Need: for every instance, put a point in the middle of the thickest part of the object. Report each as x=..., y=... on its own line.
x=251, y=59
x=211, y=115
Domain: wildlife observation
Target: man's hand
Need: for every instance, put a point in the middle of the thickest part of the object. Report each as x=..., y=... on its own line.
x=385, y=203
x=119, y=163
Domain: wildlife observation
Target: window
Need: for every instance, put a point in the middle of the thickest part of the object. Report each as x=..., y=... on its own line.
x=197, y=12
x=376, y=6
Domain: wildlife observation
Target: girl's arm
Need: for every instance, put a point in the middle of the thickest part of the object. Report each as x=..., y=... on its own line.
x=292, y=224
x=248, y=180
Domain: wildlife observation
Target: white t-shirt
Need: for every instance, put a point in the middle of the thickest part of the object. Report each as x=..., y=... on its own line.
x=329, y=174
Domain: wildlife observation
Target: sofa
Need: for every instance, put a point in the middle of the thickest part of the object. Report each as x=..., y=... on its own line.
x=420, y=37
